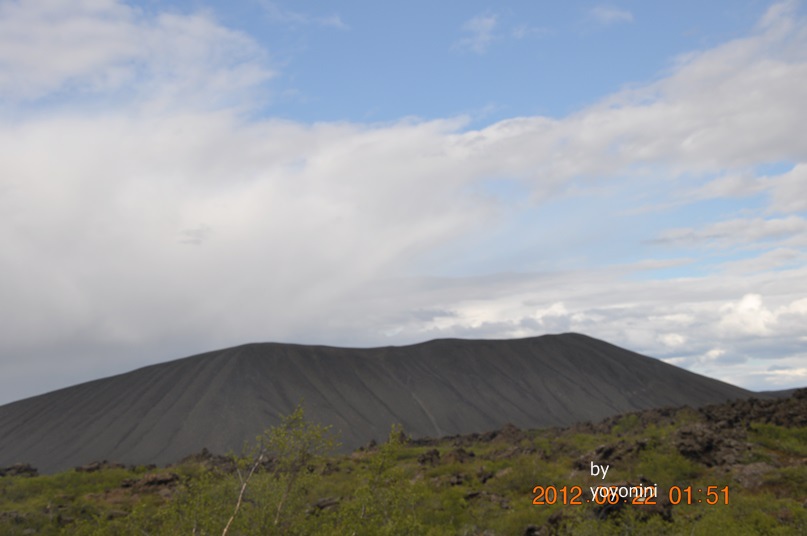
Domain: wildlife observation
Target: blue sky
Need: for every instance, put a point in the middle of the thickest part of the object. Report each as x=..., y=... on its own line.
x=182, y=176
x=363, y=61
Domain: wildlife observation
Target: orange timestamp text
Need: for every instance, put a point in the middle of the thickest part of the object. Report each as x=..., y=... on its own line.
x=638, y=495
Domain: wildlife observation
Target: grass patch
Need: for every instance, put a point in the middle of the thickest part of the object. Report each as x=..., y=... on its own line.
x=387, y=491
x=780, y=439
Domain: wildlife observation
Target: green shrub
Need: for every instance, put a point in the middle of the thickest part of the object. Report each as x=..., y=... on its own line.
x=667, y=468
x=781, y=439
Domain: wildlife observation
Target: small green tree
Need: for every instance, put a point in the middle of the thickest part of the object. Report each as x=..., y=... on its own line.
x=290, y=449
x=386, y=502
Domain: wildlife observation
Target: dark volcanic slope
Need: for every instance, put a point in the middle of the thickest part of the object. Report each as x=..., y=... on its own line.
x=217, y=400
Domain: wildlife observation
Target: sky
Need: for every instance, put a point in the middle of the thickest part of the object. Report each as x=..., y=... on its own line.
x=177, y=177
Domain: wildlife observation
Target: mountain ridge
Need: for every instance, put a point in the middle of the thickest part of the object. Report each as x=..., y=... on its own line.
x=220, y=399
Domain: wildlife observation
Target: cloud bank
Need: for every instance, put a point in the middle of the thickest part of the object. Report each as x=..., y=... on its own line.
x=149, y=210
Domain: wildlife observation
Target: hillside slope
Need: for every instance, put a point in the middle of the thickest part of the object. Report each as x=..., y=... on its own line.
x=221, y=399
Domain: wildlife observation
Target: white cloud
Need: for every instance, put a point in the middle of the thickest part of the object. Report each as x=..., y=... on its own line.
x=480, y=33
x=91, y=47
x=789, y=372
x=669, y=318
x=747, y=317
x=785, y=377
x=731, y=107
x=742, y=231
x=714, y=353
x=672, y=340
x=768, y=261
x=731, y=185
x=789, y=190
x=104, y=216
x=610, y=14
x=169, y=222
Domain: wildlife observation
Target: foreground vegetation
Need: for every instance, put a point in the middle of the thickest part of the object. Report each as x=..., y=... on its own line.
x=290, y=483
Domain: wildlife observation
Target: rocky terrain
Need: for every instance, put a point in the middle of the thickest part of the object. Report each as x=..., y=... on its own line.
x=755, y=446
